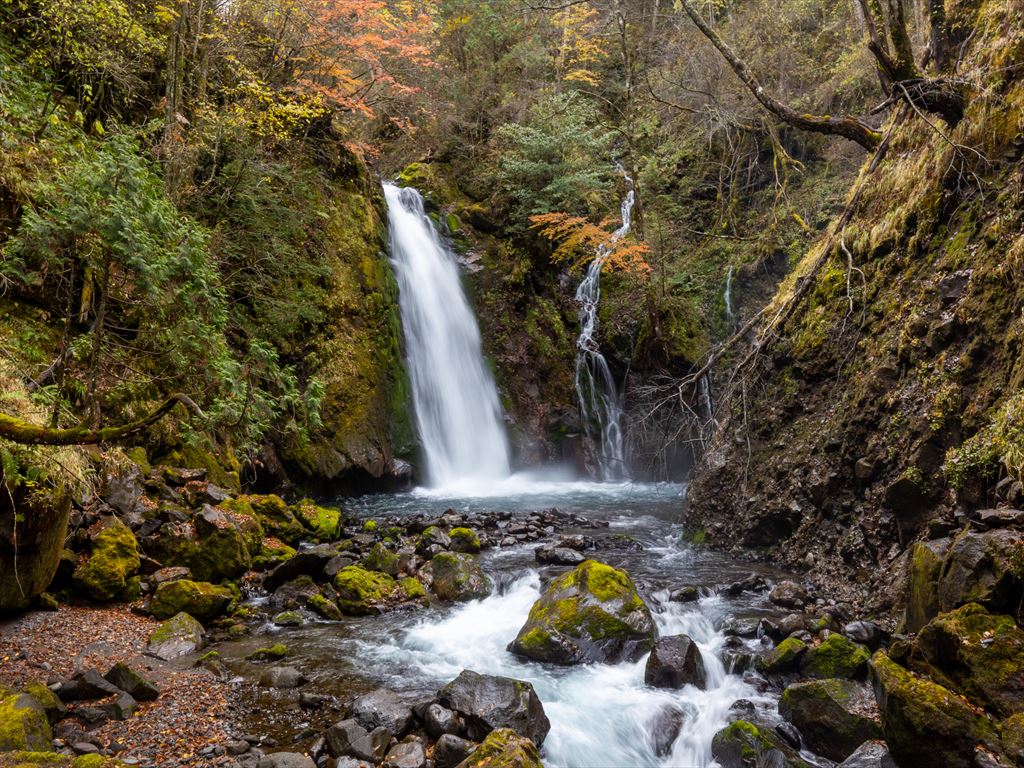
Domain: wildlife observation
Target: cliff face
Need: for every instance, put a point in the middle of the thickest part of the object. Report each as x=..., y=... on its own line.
x=889, y=401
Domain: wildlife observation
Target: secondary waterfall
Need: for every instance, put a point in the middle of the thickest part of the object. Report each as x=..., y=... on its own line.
x=727, y=296
x=600, y=406
x=458, y=414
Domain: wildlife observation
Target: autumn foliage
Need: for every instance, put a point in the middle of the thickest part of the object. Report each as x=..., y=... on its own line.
x=578, y=240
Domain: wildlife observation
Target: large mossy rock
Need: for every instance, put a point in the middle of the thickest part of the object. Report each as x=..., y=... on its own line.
x=324, y=523
x=112, y=561
x=783, y=658
x=32, y=537
x=457, y=576
x=504, y=748
x=926, y=725
x=178, y=636
x=591, y=614
x=1011, y=733
x=978, y=654
x=274, y=516
x=363, y=593
x=742, y=744
x=834, y=716
x=488, y=703
x=23, y=724
x=214, y=547
x=200, y=599
x=923, y=571
x=835, y=656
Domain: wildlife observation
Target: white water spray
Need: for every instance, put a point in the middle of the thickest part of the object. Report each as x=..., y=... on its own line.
x=600, y=405
x=458, y=414
x=727, y=296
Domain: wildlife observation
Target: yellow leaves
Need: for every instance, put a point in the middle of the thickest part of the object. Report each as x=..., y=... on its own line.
x=579, y=240
x=582, y=45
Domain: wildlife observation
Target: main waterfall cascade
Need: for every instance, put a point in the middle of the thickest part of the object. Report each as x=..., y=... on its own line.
x=458, y=414
x=599, y=400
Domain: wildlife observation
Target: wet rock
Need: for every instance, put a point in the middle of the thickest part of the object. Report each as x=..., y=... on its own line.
x=202, y=600
x=382, y=708
x=684, y=595
x=917, y=712
x=575, y=541
x=834, y=716
x=983, y=568
x=286, y=760
x=665, y=728
x=789, y=594
x=464, y=540
x=336, y=564
x=504, y=747
x=171, y=573
x=288, y=619
x=86, y=685
x=752, y=583
x=789, y=734
x=130, y=681
x=870, y=754
x=675, y=661
x=458, y=577
x=432, y=541
x=381, y=559
x=593, y=613
x=450, y=750
x=835, y=656
x=23, y=724
x=348, y=737
x=489, y=702
x=552, y=555
x=362, y=592
x=178, y=636
x=742, y=744
x=866, y=633
x=306, y=562
x=282, y=677
x=409, y=754
x=785, y=657
x=438, y=720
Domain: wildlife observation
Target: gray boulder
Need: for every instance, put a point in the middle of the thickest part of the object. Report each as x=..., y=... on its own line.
x=178, y=636
x=450, y=750
x=489, y=702
x=348, y=737
x=382, y=708
x=675, y=661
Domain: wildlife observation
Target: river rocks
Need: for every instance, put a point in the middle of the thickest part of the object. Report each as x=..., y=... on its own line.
x=295, y=594
x=202, y=600
x=835, y=656
x=286, y=760
x=438, y=720
x=432, y=541
x=381, y=559
x=834, y=716
x=979, y=654
x=464, y=540
x=789, y=594
x=742, y=744
x=409, y=754
x=23, y=724
x=866, y=633
x=554, y=555
x=178, y=636
x=282, y=677
x=382, y=708
x=324, y=523
x=870, y=754
x=458, y=577
x=450, y=750
x=362, y=592
x=504, y=748
x=131, y=682
x=348, y=737
x=592, y=613
x=489, y=702
x=306, y=562
x=675, y=661
x=113, y=559
x=688, y=594
x=86, y=684
x=273, y=515
x=785, y=657
x=665, y=728
x=917, y=712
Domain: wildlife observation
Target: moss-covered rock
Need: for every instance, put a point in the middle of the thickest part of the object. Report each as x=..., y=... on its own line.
x=742, y=744
x=985, y=568
x=31, y=543
x=113, y=559
x=833, y=716
x=1011, y=735
x=976, y=653
x=431, y=540
x=592, y=613
x=835, y=656
x=381, y=559
x=504, y=748
x=785, y=657
x=464, y=540
x=202, y=600
x=274, y=516
x=288, y=619
x=458, y=576
x=222, y=471
x=214, y=546
x=23, y=724
x=49, y=701
x=923, y=570
x=324, y=607
x=925, y=724
x=323, y=522
x=275, y=652
x=362, y=592
x=271, y=554
x=178, y=636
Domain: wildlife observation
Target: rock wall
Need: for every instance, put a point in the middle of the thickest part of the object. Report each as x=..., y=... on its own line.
x=887, y=407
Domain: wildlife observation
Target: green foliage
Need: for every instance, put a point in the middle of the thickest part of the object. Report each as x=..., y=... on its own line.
x=998, y=445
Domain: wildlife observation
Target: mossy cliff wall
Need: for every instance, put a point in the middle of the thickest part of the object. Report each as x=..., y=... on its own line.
x=890, y=399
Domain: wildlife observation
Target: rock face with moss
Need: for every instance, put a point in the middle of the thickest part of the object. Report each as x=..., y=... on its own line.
x=743, y=744
x=179, y=635
x=362, y=592
x=29, y=560
x=113, y=559
x=213, y=545
x=202, y=600
x=833, y=716
x=835, y=656
x=23, y=724
x=504, y=748
x=458, y=577
x=591, y=614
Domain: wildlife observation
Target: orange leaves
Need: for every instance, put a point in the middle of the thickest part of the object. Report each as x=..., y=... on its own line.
x=578, y=240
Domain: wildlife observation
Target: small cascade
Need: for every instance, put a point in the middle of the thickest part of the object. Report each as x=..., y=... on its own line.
x=727, y=297
x=458, y=414
x=600, y=405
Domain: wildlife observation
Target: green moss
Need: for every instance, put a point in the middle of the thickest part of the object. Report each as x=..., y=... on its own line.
x=362, y=592
x=504, y=748
x=836, y=656
x=23, y=724
x=137, y=455
x=328, y=609
x=743, y=743
x=113, y=559
x=412, y=588
x=225, y=475
x=272, y=554
x=52, y=705
x=699, y=537
x=782, y=658
x=381, y=559
x=370, y=526
x=324, y=522
x=288, y=619
x=465, y=540
x=202, y=600
x=273, y=653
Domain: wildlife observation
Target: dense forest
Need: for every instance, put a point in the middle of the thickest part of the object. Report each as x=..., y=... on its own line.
x=691, y=328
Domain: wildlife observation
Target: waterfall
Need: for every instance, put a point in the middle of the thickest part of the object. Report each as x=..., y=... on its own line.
x=458, y=415
x=727, y=296
x=600, y=406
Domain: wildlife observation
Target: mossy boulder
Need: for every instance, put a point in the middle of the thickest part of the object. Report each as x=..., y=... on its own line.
x=24, y=759
x=978, y=654
x=833, y=716
x=274, y=516
x=742, y=744
x=923, y=572
x=324, y=607
x=178, y=636
x=324, y=523
x=835, y=656
x=504, y=748
x=926, y=725
x=214, y=546
x=783, y=658
x=985, y=568
x=457, y=576
x=1011, y=734
x=362, y=592
x=50, y=702
x=274, y=652
x=31, y=543
x=202, y=600
x=23, y=724
x=113, y=559
x=381, y=559
x=223, y=472
x=432, y=540
x=591, y=614
x=271, y=554
x=464, y=540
